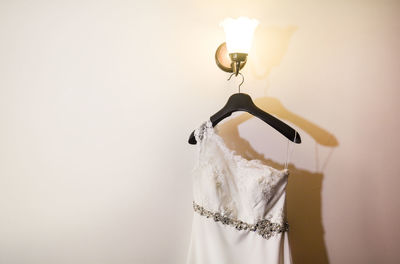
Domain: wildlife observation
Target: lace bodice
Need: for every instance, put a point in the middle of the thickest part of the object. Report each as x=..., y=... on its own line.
x=233, y=187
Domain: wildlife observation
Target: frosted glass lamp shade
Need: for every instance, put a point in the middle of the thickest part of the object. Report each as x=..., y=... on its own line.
x=239, y=34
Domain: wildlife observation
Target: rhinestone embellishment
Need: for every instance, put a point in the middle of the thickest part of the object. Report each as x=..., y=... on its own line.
x=264, y=228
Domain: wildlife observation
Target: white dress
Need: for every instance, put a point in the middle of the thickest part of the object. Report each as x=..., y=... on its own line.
x=239, y=207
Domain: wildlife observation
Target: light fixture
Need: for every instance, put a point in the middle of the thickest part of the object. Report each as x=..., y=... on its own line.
x=231, y=56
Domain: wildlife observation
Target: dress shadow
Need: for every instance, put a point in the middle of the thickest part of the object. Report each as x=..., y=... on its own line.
x=303, y=192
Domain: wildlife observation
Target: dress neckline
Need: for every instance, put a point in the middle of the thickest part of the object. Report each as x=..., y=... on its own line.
x=232, y=153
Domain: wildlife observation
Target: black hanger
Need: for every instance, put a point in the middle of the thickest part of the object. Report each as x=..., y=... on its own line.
x=243, y=102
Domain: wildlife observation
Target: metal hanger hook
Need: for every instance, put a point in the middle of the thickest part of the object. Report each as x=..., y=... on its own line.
x=242, y=79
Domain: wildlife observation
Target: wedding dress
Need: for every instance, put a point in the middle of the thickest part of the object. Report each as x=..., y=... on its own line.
x=239, y=206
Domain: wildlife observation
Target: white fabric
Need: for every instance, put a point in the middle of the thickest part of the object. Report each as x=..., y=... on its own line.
x=242, y=189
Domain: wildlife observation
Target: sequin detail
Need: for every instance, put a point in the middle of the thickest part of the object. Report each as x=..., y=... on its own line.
x=264, y=228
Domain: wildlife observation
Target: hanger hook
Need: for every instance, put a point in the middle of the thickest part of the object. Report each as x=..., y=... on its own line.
x=242, y=79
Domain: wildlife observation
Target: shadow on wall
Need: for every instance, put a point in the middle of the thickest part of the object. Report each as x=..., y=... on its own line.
x=303, y=191
x=306, y=235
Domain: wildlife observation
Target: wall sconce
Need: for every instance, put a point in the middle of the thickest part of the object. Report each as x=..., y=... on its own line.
x=231, y=56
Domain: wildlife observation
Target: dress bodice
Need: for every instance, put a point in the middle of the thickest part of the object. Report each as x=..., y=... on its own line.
x=234, y=187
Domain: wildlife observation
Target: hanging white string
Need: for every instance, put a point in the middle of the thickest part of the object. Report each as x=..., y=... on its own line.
x=288, y=156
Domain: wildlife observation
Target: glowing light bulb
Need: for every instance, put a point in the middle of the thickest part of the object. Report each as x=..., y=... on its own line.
x=239, y=34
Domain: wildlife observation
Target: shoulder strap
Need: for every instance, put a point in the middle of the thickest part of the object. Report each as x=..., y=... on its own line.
x=288, y=156
x=201, y=131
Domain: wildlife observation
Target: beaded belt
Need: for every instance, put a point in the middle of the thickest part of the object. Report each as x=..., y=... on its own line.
x=264, y=228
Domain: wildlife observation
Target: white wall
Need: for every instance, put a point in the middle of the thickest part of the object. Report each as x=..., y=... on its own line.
x=98, y=98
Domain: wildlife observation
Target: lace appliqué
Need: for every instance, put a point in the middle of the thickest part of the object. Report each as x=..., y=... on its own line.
x=264, y=228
